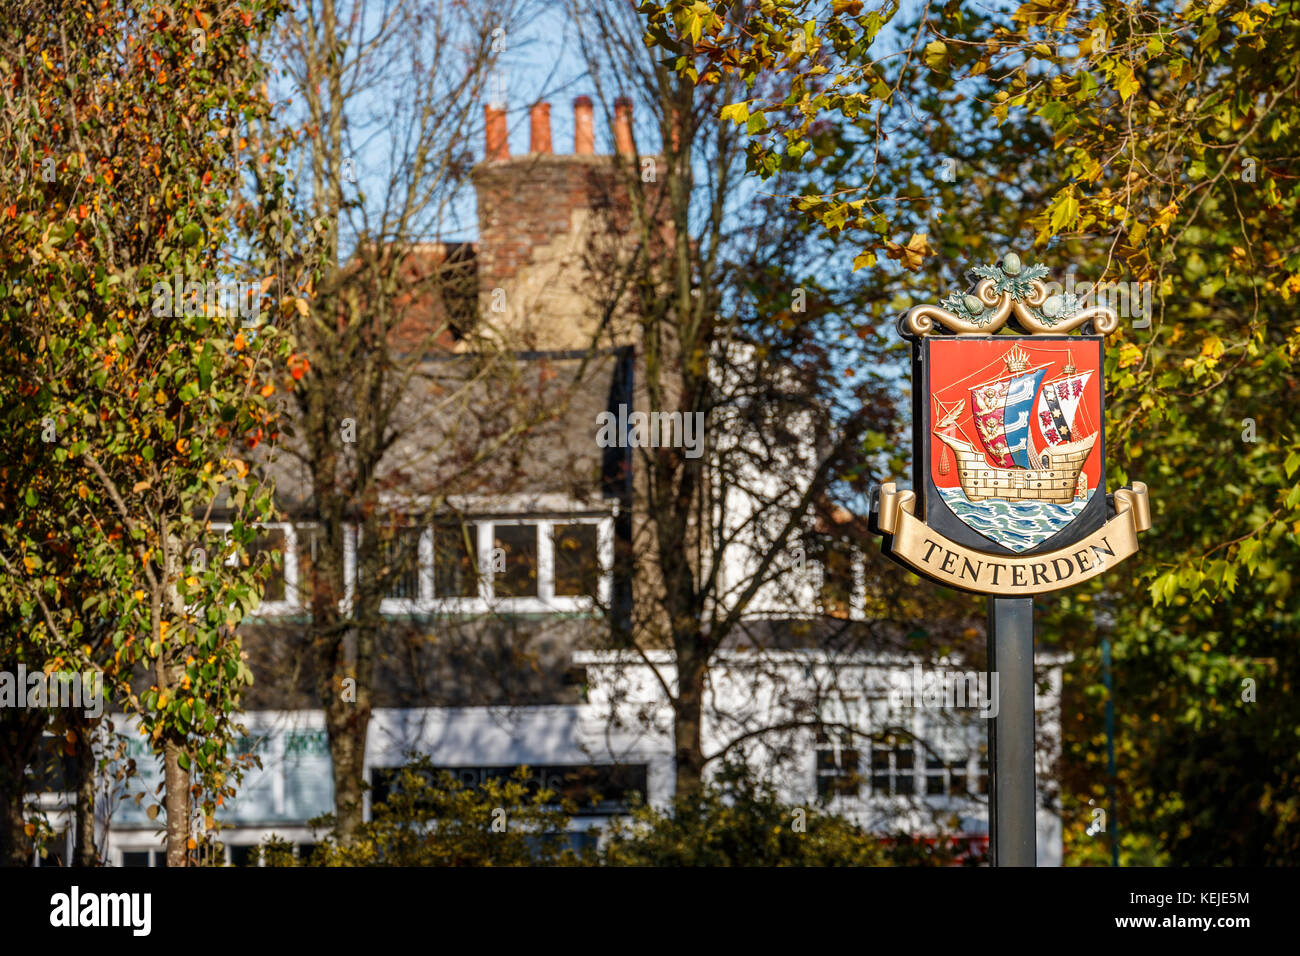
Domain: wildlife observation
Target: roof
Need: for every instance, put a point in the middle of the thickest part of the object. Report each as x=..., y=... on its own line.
x=511, y=432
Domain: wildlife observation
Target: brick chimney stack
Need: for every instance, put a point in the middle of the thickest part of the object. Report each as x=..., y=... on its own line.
x=544, y=219
x=498, y=138
x=584, y=137
x=539, y=132
x=623, y=126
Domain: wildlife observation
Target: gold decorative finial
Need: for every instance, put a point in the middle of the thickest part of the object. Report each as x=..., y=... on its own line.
x=1006, y=289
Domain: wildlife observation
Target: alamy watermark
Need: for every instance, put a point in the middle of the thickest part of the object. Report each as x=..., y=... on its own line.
x=57, y=689
x=1128, y=300
x=652, y=430
x=943, y=689
x=78, y=909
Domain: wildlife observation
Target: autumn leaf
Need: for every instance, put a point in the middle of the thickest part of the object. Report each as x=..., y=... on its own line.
x=913, y=254
x=1129, y=354
x=1125, y=82
x=736, y=112
x=936, y=54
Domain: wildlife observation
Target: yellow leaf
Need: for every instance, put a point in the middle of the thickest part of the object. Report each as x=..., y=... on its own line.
x=915, y=252
x=1129, y=354
x=864, y=259
x=737, y=112
x=936, y=54
x=1166, y=217
x=1125, y=82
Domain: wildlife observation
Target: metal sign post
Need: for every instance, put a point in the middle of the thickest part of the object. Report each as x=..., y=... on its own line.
x=1009, y=487
x=1012, y=802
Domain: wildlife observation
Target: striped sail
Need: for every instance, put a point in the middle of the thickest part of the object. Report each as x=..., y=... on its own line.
x=1057, y=404
x=1001, y=412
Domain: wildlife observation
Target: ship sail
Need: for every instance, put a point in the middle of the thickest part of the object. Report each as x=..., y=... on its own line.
x=1057, y=405
x=1001, y=413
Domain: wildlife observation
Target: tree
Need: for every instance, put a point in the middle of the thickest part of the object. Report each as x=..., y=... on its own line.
x=738, y=326
x=410, y=390
x=130, y=407
x=431, y=819
x=1150, y=142
x=735, y=820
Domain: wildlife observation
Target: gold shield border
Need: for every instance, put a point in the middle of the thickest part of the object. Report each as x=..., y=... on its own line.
x=946, y=561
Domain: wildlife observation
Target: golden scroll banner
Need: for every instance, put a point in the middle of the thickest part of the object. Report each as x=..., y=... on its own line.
x=948, y=562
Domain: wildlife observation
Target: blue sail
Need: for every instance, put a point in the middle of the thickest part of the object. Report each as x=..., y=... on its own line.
x=1015, y=414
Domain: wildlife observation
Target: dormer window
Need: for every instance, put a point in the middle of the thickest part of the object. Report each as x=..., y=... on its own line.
x=462, y=565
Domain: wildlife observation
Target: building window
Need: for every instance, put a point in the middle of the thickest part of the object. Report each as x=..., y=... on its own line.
x=514, y=560
x=577, y=560
x=837, y=766
x=892, y=767
x=455, y=560
x=310, y=545
x=534, y=565
x=839, y=581
x=399, y=559
x=523, y=565
x=835, y=596
x=244, y=854
x=271, y=542
x=944, y=778
x=280, y=586
x=144, y=858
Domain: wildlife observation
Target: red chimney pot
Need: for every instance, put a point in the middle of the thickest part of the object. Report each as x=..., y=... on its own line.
x=539, y=121
x=584, y=139
x=498, y=138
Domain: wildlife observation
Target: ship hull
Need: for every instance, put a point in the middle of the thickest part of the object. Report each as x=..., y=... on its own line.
x=1054, y=484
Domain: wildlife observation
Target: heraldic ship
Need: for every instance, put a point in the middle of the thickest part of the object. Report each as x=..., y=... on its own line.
x=1001, y=408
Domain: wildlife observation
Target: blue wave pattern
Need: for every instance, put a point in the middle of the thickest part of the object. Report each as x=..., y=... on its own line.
x=1018, y=525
